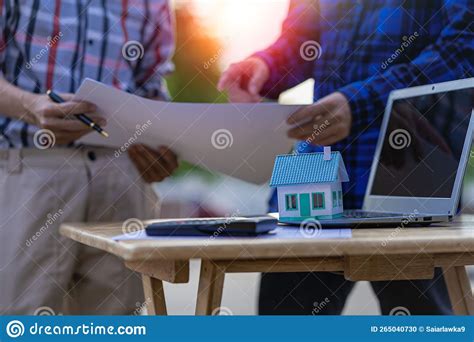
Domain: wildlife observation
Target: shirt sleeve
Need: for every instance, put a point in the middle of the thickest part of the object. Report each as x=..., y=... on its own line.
x=3, y=45
x=450, y=57
x=291, y=57
x=158, y=51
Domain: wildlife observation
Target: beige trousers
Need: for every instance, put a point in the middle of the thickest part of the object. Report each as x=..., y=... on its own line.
x=41, y=270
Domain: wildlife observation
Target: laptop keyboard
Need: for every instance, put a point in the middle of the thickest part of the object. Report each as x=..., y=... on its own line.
x=359, y=214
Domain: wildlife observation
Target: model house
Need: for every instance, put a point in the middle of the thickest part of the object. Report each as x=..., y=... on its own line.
x=309, y=185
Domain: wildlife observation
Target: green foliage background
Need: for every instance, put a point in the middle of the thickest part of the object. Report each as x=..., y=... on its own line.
x=196, y=61
x=196, y=70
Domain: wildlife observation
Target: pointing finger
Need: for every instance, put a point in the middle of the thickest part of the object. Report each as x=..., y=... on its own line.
x=257, y=81
x=231, y=76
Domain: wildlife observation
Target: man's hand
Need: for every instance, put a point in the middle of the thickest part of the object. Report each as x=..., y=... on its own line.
x=153, y=165
x=243, y=81
x=59, y=117
x=324, y=123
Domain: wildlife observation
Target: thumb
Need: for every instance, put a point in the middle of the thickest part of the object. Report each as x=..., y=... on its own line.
x=257, y=81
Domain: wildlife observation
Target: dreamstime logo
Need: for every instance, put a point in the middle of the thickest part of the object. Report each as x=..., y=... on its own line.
x=133, y=50
x=222, y=311
x=407, y=41
x=140, y=307
x=399, y=139
x=15, y=329
x=140, y=129
x=405, y=222
x=222, y=139
x=318, y=307
x=400, y=311
x=44, y=139
x=318, y=129
x=52, y=41
x=221, y=229
x=213, y=59
x=310, y=228
x=132, y=227
x=44, y=311
x=50, y=221
x=311, y=50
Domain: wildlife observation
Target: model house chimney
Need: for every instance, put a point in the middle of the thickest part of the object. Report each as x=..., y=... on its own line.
x=327, y=153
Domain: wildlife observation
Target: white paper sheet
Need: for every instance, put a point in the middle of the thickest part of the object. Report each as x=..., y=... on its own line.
x=278, y=234
x=240, y=140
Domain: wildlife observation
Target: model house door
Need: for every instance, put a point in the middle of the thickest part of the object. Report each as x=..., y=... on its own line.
x=305, y=209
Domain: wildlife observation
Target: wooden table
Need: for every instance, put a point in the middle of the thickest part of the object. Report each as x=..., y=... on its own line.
x=371, y=254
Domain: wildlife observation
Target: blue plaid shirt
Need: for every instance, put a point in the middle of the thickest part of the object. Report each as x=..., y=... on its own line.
x=365, y=49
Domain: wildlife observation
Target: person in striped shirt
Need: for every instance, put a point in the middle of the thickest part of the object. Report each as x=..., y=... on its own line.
x=47, y=177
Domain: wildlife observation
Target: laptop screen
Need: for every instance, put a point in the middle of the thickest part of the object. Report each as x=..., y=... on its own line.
x=423, y=145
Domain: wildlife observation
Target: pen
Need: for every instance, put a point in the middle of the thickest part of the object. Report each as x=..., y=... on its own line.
x=81, y=117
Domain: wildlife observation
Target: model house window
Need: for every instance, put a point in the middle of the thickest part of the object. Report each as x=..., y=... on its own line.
x=340, y=198
x=318, y=200
x=334, y=199
x=292, y=202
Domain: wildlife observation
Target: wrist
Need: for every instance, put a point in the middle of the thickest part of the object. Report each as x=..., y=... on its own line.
x=27, y=103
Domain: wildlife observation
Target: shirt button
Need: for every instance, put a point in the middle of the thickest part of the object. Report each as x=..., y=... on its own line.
x=91, y=42
x=91, y=155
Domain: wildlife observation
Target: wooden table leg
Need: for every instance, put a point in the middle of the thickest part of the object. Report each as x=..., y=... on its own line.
x=154, y=296
x=460, y=290
x=211, y=285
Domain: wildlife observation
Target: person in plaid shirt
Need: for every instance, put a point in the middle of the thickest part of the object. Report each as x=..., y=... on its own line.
x=357, y=52
x=47, y=177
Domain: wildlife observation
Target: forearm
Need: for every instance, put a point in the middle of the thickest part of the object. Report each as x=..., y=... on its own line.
x=286, y=58
x=14, y=102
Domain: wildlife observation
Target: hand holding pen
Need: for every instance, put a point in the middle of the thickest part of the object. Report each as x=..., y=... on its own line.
x=41, y=111
x=81, y=116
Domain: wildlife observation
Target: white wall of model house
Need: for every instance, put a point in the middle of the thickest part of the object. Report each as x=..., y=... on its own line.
x=331, y=208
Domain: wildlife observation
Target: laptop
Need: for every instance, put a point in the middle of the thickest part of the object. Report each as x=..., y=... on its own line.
x=421, y=156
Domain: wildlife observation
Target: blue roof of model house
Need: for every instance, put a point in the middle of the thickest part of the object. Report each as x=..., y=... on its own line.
x=307, y=168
